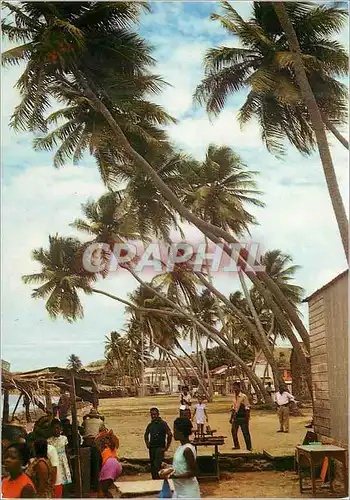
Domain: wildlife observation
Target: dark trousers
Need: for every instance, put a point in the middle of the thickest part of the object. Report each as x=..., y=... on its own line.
x=156, y=456
x=244, y=425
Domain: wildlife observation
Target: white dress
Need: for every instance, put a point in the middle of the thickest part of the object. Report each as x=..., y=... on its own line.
x=200, y=415
x=60, y=444
x=186, y=487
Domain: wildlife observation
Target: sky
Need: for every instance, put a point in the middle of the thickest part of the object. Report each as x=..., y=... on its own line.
x=38, y=200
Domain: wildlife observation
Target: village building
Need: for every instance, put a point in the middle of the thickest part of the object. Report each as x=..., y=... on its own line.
x=328, y=318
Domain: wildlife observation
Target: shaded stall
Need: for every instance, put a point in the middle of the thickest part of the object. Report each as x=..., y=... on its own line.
x=39, y=385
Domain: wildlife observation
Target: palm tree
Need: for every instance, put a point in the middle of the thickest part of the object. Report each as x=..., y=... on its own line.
x=62, y=276
x=277, y=97
x=315, y=112
x=84, y=53
x=74, y=363
x=80, y=128
x=126, y=356
x=263, y=64
x=219, y=188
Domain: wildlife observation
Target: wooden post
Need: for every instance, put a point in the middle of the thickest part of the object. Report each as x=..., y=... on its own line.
x=16, y=406
x=6, y=408
x=48, y=402
x=26, y=403
x=76, y=443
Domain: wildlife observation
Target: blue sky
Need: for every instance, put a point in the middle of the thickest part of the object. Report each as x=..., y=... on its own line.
x=38, y=200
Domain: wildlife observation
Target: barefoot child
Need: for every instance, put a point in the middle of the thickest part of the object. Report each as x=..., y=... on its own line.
x=201, y=415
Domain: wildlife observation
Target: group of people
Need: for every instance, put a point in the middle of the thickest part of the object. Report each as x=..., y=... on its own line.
x=240, y=413
x=158, y=438
x=38, y=465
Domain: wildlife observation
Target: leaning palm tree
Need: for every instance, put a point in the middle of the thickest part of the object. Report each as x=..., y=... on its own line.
x=74, y=363
x=264, y=65
x=84, y=53
x=315, y=111
x=61, y=278
x=278, y=98
x=220, y=188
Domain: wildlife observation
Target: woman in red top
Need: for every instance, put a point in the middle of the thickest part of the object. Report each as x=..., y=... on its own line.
x=18, y=484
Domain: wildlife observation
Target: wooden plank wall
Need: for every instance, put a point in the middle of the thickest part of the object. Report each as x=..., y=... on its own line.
x=328, y=317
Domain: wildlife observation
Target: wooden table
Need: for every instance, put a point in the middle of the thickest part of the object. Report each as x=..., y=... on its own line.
x=215, y=441
x=315, y=454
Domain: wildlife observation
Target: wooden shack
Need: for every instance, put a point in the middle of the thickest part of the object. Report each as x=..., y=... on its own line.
x=328, y=318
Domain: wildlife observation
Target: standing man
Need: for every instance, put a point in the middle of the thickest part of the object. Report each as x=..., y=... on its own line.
x=240, y=415
x=282, y=402
x=158, y=438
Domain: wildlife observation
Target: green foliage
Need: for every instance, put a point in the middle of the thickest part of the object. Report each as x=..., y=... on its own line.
x=61, y=277
x=74, y=362
x=219, y=189
x=263, y=64
x=217, y=356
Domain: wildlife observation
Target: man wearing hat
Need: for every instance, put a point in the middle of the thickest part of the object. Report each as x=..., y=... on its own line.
x=93, y=424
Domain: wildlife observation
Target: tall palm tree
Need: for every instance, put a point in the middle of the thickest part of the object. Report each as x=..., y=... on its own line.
x=315, y=112
x=84, y=53
x=264, y=65
x=220, y=188
x=285, y=106
x=74, y=363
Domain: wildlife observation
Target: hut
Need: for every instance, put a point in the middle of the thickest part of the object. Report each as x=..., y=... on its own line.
x=328, y=319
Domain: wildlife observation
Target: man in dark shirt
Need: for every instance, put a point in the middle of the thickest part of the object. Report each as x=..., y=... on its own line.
x=158, y=438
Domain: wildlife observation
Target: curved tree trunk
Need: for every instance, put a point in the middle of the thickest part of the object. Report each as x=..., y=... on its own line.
x=167, y=354
x=206, y=367
x=208, y=331
x=251, y=328
x=190, y=361
x=332, y=128
x=264, y=343
x=281, y=303
x=317, y=124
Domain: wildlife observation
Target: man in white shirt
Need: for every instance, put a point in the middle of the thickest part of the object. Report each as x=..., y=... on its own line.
x=282, y=401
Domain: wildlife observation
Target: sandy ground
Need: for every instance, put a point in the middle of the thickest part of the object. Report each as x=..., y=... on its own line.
x=246, y=485
x=128, y=417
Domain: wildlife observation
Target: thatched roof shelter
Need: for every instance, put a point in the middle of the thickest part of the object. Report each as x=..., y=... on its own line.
x=32, y=384
x=49, y=380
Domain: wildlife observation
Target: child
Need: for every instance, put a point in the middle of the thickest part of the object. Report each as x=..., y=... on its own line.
x=60, y=442
x=201, y=415
x=111, y=468
x=183, y=470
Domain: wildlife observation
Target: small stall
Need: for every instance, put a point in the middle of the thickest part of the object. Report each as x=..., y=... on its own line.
x=38, y=386
x=209, y=439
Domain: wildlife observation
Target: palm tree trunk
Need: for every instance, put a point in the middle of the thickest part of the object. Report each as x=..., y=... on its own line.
x=193, y=364
x=206, y=366
x=213, y=232
x=317, y=124
x=208, y=331
x=168, y=356
x=251, y=328
x=332, y=128
x=167, y=373
x=263, y=342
